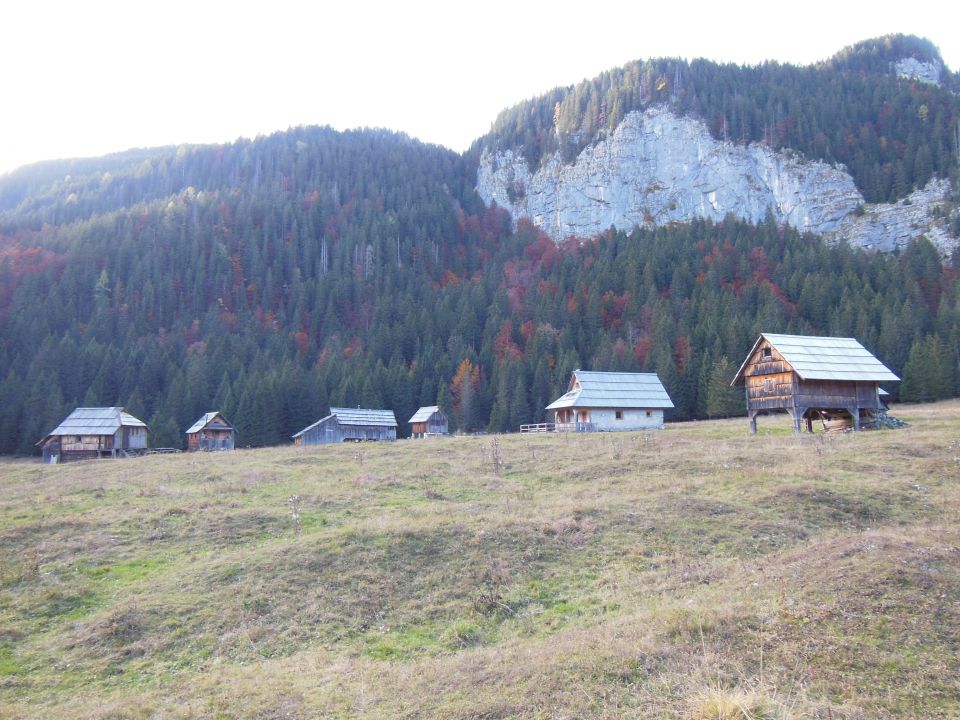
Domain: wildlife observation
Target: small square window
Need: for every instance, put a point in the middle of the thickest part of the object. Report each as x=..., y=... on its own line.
x=766, y=353
x=619, y=414
x=649, y=413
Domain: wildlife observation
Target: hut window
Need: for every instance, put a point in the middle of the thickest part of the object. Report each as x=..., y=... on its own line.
x=619, y=414
x=766, y=353
x=649, y=413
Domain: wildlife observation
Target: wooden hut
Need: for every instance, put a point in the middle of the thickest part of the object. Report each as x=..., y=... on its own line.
x=606, y=401
x=89, y=433
x=812, y=377
x=211, y=432
x=349, y=425
x=428, y=421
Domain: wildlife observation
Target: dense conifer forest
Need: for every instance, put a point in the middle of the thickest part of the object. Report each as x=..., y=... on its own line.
x=273, y=278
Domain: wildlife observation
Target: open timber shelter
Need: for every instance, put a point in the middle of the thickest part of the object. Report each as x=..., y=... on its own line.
x=94, y=432
x=811, y=377
x=349, y=425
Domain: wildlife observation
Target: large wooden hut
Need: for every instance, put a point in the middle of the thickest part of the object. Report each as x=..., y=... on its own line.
x=605, y=401
x=812, y=377
x=211, y=432
x=427, y=421
x=89, y=433
x=349, y=425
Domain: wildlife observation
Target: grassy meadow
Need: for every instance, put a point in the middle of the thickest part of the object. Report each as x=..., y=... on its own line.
x=698, y=572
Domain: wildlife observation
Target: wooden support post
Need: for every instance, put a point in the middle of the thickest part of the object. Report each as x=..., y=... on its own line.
x=795, y=416
x=855, y=415
x=809, y=424
x=753, y=422
x=799, y=419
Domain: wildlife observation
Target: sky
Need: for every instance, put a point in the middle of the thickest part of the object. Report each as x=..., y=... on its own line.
x=82, y=79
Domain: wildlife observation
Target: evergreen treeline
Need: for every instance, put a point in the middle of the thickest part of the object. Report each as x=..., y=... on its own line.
x=273, y=278
x=893, y=135
x=374, y=283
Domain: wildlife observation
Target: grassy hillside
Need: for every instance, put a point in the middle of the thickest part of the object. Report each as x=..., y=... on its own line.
x=697, y=572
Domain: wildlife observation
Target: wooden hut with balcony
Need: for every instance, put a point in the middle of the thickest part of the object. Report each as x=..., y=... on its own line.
x=349, y=425
x=89, y=433
x=429, y=421
x=608, y=401
x=808, y=377
x=211, y=432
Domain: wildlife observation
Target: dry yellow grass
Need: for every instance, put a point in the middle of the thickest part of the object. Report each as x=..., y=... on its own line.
x=693, y=573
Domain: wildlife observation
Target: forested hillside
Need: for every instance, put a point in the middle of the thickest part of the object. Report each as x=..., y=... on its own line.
x=272, y=278
x=893, y=134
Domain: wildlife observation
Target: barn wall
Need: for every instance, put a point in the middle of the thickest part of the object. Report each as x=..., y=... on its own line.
x=368, y=432
x=136, y=438
x=86, y=443
x=210, y=440
x=770, y=381
x=323, y=434
x=437, y=424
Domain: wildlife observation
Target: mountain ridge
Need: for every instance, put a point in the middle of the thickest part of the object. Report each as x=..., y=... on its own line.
x=275, y=277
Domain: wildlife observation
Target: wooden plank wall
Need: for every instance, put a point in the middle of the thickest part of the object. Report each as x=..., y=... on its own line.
x=771, y=384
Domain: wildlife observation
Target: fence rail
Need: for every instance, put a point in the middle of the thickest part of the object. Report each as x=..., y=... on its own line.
x=538, y=428
x=557, y=427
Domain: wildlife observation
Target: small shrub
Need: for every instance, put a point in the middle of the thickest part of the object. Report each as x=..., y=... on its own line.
x=737, y=704
x=462, y=634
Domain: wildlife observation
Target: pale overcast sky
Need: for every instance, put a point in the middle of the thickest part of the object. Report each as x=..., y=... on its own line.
x=88, y=78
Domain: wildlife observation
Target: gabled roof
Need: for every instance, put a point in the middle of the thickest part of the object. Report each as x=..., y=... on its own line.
x=356, y=416
x=95, y=421
x=424, y=414
x=824, y=358
x=613, y=390
x=311, y=426
x=205, y=419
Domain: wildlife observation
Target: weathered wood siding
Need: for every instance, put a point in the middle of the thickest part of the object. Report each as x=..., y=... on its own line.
x=331, y=431
x=210, y=440
x=134, y=438
x=368, y=432
x=65, y=448
x=770, y=381
x=771, y=384
x=436, y=424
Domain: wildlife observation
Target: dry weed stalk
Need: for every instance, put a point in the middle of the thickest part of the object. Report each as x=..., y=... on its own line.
x=294, y=501
x=496, y=456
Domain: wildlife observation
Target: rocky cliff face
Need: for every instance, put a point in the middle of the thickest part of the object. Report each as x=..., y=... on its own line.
x=657, y=168
x=913, y=69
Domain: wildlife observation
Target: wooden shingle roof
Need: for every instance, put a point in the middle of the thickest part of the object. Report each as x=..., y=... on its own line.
x=360, y=416
x=824, y=358
x=424, y=414
x=95, y=421
x=613, y=390
x=204, y=420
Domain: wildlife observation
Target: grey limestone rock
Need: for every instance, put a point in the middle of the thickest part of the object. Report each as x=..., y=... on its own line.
x=657, y=168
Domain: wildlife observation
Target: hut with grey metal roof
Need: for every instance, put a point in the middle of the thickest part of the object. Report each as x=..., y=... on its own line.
x=349, y=425
x=211, y=432
x=429, y=421
x=89, y=433
x=810, y=377
x=605, y=401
